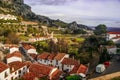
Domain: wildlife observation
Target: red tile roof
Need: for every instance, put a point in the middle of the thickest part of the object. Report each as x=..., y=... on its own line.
x=14, y=54
x=3, y=66
x=27, y=47
x=59, y=56
x=38, y=69
x=51, y=56
x=29, y=76
x=117, y=37
x=74, y=70
x=12, y=46
x=69, y=61
x=113, y=32
x=55, y=75
x=43, y=56
x=82, y=69
x=32, y=76
x=109, y=47
x=28, y=63
x=33, y=55
x=16, y=65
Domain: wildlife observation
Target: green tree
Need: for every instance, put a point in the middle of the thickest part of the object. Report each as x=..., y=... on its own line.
x=74, y=77
x=104, y=56
x=100, y=29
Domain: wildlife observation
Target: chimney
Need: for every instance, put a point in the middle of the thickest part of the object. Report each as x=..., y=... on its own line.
x=12, y=69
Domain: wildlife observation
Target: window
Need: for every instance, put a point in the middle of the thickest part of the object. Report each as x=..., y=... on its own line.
x=15, y=72
x=6, y=74
x=56, y=62
x=51, y=61
x=11, y=78
x=67, y=65
x=45, y=61
x=19, y=71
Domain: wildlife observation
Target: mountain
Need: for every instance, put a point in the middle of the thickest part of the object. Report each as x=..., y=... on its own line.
x=74, y=25
x=19, y=8
x=116, y=29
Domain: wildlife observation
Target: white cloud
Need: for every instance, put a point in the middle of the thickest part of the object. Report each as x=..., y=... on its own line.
x=83, y=11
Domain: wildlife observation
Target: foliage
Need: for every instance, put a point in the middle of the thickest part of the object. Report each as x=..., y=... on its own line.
x=110, y=42
x=41, y=46
x=74, y=77
x=60, y=23
x=104, y=56
x=100, y=29
x=118, y=50
x=79, y=31
x=118, y=45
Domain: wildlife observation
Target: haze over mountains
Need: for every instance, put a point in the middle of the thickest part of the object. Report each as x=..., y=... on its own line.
x=88, y=12
x=19, y=8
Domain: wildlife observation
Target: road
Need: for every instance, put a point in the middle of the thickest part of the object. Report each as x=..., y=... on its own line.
x=114, y=67
x=26, y=55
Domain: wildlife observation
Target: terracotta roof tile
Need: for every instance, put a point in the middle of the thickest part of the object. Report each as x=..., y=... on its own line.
x=55, y=75
x=113, y=32
x=32, y=76
x=38, y=69
x=43, y=56
x=16, y=65
x=117, y=37
x=33, y=55
x=59, y=56
x=82, y=69
x=28, y=63
x=29, y=76
x=51, y=56
x=12, y=46
x=14, y=54
x=3, y=66
x=74, y=70
x=69, y=61
x=108, y=47
x=27, y=47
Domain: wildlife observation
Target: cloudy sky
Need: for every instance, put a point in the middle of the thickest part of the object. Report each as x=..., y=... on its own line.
x=88, y=12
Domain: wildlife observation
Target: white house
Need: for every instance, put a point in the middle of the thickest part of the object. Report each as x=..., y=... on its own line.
x=41, y=70
x=68, y=64
x=8, y=17
x=4, y=71
x=42, y=58
x=114, y=36
x=111, y=49
x=29, y=48
x=38, y=38
x=17, y=69
x=82, y=70
x=14, y=70
x=13, y=49
x=58, y=59
x=51, y=59
x=15, y=56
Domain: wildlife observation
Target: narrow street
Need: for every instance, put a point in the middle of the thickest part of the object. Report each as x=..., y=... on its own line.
x=114, y=67
x=26, y=55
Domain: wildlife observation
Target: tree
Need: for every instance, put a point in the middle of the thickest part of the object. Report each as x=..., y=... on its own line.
x=104, y=56
x=53, y=47
x=100, y=29
x=90, y=45
x=74, y=77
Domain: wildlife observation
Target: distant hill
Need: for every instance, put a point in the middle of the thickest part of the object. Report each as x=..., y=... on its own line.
x=19, y=8
x=116, y=29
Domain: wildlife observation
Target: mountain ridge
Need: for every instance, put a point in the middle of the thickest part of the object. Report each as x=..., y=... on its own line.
x=19, y=8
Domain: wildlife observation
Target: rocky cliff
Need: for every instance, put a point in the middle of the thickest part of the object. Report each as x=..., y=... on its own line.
x=19, y=8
